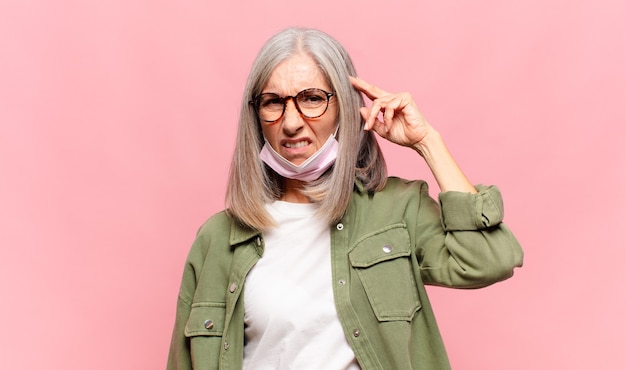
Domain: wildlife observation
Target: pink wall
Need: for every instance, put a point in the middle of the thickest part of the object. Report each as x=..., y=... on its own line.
x=117, y=120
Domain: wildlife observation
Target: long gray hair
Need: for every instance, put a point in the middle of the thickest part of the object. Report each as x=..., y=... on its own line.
x=252, y=184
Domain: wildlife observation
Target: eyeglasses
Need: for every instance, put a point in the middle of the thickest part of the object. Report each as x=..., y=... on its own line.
x=311, y=103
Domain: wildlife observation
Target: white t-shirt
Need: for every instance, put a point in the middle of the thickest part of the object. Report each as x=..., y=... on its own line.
x=290, y=315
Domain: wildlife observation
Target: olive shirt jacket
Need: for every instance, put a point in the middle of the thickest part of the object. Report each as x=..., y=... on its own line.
x=384, y=250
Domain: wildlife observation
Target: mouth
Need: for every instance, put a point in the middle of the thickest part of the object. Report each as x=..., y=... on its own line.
x=296, y=145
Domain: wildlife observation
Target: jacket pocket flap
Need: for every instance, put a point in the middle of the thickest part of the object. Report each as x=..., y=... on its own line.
x=388, y=243
x=206, y=319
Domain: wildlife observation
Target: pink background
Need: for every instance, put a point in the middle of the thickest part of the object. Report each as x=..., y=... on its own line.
x=117, y=122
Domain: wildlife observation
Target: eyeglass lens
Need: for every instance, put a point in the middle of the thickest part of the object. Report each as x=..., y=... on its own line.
x=311, y=103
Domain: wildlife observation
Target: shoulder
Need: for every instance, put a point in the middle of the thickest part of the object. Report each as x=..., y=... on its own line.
x=217, y=223
x=397, y=184
x=398, y=198
x=215, y=231
x=221, y=232
x=398, y=189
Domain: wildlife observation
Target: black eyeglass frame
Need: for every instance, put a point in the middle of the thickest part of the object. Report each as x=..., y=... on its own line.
x=255, y=102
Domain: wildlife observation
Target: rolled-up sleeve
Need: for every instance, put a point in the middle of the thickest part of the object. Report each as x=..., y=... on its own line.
x=465, y=211
x=472, y=247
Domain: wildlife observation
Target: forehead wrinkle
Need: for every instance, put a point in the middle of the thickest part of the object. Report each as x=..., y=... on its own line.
x=295, y=74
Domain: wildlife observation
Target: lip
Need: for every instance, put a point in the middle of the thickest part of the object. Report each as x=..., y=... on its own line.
x=291, y=151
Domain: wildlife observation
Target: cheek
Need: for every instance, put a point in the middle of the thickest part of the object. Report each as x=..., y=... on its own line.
x=331, y=121
x=270, y=133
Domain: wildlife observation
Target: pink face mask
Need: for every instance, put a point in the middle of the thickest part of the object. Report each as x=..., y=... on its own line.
x=309, y=170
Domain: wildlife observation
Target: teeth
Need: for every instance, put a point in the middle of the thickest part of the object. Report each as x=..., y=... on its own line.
x=299, y=144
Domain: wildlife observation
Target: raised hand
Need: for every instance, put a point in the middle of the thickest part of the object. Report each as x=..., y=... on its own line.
x=402, y=123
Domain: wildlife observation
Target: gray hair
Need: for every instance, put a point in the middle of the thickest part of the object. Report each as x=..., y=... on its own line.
x=252, y=184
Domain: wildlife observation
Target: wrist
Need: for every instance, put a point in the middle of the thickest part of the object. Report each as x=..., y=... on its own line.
x=447, y=173
x=431, y=142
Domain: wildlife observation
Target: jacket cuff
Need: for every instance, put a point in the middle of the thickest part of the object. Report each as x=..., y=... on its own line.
x=466, y=211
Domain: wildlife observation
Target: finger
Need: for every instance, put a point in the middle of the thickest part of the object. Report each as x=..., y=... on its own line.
x=397, y=104
x=367, y=121
x=388, y=106
x=371, y=91
x=365, y=114
x=369, y=118
x=374, y=110
x=380, y=128
x=395, y=101
x=388, y=115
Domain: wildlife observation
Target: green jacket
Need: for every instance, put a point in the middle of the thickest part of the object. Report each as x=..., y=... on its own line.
x=386, y=247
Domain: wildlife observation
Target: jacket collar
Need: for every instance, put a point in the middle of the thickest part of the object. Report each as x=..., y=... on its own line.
x=240, y=233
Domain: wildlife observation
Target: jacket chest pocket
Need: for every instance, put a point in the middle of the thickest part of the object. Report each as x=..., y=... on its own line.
x=205, y=328
x=383, y=264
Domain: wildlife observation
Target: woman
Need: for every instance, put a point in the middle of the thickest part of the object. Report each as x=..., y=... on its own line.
x=320, y=260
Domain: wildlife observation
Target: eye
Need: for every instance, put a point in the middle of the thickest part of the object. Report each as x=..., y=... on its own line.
x=312, y=97
x=270, y=101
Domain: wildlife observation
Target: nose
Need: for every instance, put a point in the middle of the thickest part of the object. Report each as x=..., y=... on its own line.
x=292, y=120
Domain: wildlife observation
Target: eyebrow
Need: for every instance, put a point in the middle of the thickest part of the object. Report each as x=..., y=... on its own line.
x=306, y=88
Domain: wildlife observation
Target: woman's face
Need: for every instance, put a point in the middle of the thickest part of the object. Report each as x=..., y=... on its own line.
x=294, y=136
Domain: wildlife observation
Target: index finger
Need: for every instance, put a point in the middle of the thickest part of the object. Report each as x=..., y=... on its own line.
x=366, y=88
